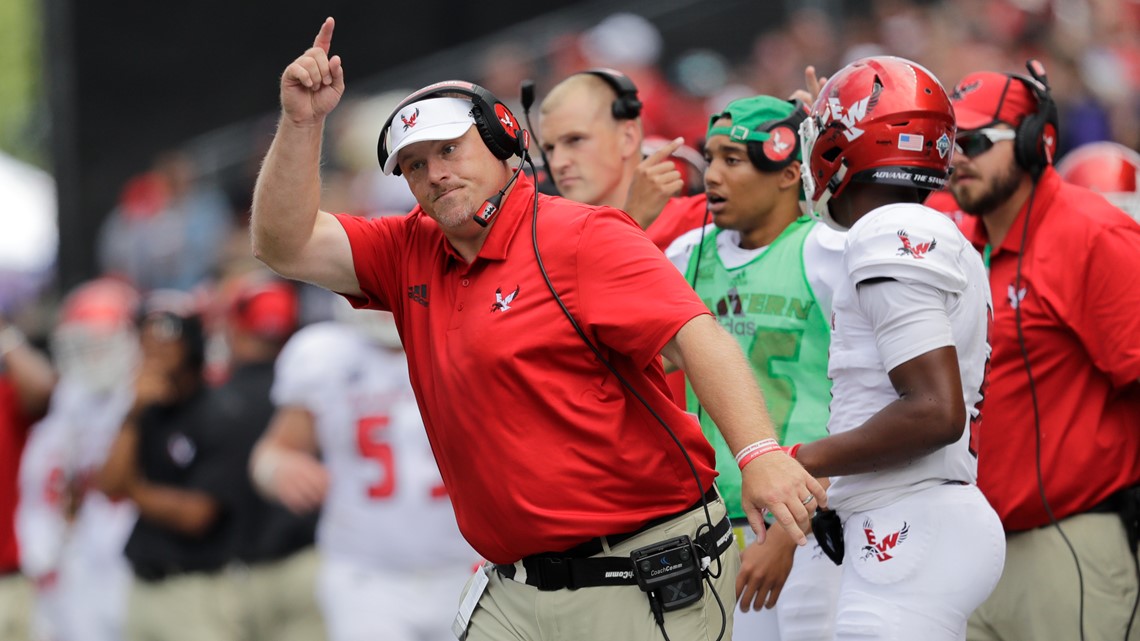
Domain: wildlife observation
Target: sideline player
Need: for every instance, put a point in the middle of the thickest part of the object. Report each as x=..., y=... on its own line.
x=768, y=272
x=347, y=439
x=908, y=358
x=72, y=535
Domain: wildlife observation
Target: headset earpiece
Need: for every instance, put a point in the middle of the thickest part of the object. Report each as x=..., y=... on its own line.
x=783, y=144
x=497, y=126
x=627, y=106
x=1036, y=143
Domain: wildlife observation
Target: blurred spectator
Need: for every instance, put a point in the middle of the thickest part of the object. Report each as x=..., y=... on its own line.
x=170, y=459
x=1108, y=168
x=502, y=68
x=168, y=229
x=364, y=189
x=632, y=45
x=272, y=546
x=72, y=535
x=1059, y=447
x=26, y=383
x=347, y=439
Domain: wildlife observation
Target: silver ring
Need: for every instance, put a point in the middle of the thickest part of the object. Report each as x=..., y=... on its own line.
x=809, y=499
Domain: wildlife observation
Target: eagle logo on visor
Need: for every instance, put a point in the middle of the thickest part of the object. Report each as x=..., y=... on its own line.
x=410, y=122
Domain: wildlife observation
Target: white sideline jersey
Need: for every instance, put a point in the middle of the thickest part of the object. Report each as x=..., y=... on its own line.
x=911, y=244
x=386, y=505
x=85, y=549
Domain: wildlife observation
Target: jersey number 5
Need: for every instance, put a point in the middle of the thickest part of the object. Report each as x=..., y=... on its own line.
x=370, y=441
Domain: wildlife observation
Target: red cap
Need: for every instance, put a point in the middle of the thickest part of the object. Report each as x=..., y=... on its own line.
x=266, y=309
x=986, y=97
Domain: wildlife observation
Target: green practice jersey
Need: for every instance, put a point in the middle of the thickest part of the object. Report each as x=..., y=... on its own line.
x=769, y=306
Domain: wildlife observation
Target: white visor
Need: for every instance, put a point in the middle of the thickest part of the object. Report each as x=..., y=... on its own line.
x=431, y=119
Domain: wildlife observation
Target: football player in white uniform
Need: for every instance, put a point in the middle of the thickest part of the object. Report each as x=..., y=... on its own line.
x=393, y=560
x=71, y=535
x=908, y=359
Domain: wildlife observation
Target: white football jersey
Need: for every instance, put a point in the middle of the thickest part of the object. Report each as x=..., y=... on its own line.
x=386, y=505
x=908, y=243
x=64, y=524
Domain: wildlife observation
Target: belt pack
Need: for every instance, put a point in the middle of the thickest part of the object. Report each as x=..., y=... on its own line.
x=555, y=572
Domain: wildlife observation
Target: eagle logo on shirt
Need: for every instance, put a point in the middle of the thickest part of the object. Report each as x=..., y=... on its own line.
x=503, y=303
x=410, y=122
x=880, y=548
x=915, y=251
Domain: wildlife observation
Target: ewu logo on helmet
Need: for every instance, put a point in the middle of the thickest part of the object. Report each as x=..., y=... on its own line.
x=853, y=115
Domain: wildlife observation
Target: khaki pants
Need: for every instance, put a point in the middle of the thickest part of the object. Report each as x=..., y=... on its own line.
x=16, y=595
x=184, y=607
x=509, y=610
x=279, y=600
x=1038, y=596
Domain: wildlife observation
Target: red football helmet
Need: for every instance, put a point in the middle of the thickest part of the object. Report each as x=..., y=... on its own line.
x=883, y=120
x=1106, y=167
x=95, y=341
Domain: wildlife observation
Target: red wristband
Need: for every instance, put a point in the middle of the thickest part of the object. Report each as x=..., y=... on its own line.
x=759, y=448
x=793, y=450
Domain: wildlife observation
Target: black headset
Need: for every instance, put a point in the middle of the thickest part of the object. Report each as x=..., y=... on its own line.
x=758, y=151
x=498, y=127
x=627, y=106
x=1036, y=141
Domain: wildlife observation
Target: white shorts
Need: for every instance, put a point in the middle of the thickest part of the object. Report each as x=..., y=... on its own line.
x=806, y=609
x=368, y=604
x=917, y=569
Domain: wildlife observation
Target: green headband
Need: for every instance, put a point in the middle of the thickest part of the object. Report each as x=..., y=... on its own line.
x=752, y=118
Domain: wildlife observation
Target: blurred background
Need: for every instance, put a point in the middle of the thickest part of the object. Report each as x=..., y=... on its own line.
x=131, y=132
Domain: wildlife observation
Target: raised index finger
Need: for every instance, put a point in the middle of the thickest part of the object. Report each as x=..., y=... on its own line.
x=324, y=36
x=664, y=152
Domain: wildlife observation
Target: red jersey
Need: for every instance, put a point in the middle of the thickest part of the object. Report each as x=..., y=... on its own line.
x=1079, y=295
x=540, y=447
x=13, y=434
x=679, y=216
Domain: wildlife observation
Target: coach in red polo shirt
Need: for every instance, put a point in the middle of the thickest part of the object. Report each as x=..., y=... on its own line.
x=547, y=412
x=1059, y=446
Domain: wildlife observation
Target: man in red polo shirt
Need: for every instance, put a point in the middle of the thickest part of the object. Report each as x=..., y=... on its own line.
x=533, y=326
x=1060, y=446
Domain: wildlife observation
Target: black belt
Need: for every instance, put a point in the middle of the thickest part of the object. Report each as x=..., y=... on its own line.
x=575, y=568
x=153, y=573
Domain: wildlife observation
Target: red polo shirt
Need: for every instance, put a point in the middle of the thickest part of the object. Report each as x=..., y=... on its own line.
x=13, y=434
x=679, y=216
x=1080, y=314
x=541, y=448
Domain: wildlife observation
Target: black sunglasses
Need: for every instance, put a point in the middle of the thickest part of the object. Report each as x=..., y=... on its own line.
x=978, y=142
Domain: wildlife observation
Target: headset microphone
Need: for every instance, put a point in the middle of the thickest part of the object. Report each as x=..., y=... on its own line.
x=526, y=88
x=526, y=91
x=491, y=205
